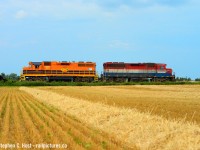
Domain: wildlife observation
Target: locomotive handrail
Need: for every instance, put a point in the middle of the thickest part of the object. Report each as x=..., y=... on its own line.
x=74, y=72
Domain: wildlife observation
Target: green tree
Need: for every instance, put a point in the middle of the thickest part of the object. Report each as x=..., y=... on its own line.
x=13, y=76
x=3, y=75
x=183, y=79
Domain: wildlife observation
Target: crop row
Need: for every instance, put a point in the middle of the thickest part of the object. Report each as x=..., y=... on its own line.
x=23, y=119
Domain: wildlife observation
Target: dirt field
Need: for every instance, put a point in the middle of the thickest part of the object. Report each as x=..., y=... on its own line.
x=30, y=123
x=171, y=102
x=134, y=127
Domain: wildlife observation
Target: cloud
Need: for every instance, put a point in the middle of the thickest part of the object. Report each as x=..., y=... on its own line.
x=51, y=8
x=136, y=3
x=65, y=9
x=119, y=44
x=21, y=14
x=170, y=2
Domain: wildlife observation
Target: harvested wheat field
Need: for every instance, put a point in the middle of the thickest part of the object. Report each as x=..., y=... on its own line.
x=171, y=101
x=145, y=117
x=26, y=123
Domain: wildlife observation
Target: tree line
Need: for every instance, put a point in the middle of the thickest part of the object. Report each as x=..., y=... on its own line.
x=186, y=79
x=11, y=76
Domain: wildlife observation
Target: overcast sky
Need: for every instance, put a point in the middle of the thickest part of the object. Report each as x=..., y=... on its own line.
x=161, y=31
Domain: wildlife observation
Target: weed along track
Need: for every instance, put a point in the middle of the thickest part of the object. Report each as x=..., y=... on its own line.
x=26, y=123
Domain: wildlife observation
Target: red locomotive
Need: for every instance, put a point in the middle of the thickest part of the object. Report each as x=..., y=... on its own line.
x=120, y=71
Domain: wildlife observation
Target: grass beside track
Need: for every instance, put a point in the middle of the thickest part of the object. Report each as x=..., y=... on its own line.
x=43, y=83
x=24, y=119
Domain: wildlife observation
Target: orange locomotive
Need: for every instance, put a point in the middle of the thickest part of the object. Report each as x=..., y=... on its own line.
x=64, y=71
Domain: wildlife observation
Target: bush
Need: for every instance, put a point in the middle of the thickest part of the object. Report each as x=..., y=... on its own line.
x=197, y=79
